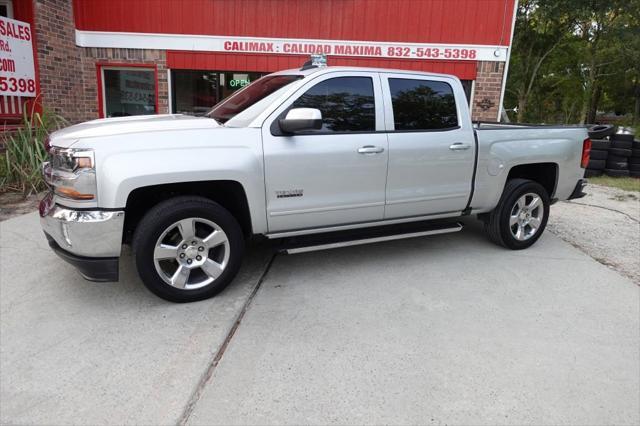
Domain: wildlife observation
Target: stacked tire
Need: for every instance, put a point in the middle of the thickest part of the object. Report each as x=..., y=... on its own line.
x=634, y=160
x=597, y=158
x=614, y=154
x=600, y=145
x=620, y=150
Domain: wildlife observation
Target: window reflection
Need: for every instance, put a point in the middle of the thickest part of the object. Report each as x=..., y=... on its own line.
x=347, y=104
x=422, y=105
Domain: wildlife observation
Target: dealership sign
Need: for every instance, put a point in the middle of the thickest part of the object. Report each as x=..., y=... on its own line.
x=286, y=46
x=17, y=72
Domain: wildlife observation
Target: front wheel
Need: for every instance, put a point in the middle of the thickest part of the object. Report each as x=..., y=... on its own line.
x=521, y=215
x=188, y=249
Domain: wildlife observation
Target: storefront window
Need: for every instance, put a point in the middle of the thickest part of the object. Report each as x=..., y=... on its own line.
x=195, y=92
x=6, y=8
x=129, y=91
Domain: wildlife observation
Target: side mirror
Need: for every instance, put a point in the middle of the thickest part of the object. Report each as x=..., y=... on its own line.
x=301, y=119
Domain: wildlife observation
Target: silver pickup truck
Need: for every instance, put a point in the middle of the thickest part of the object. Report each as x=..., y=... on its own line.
x=316, y=158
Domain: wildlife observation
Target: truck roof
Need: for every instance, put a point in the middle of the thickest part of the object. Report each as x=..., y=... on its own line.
x=327, y=69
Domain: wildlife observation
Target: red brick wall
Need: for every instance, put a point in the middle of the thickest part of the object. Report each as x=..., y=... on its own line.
x=68, y=77
x=59, y=59
x=486, y=96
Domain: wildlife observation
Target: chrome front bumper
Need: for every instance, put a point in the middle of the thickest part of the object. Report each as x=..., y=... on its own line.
x=87, y=233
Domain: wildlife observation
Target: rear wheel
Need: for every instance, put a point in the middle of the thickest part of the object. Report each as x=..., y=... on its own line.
x=188, y=249
x=520, y=217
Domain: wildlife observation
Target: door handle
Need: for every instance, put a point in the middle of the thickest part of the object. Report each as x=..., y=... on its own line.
x=370, y=149
x=458, y=146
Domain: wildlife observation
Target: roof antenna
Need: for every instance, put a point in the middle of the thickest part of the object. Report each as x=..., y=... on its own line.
x=316, y=61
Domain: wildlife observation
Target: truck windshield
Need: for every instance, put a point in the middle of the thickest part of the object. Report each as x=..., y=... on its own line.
x=248, y=96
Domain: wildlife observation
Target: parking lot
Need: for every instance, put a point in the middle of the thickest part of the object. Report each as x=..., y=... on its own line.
x=447, y=329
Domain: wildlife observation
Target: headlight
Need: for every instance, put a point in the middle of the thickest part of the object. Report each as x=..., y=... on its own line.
x=71, y=173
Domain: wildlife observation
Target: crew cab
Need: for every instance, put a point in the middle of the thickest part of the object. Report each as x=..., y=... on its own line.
x=321, y=151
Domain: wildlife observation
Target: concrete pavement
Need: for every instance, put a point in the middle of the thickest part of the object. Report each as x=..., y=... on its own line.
x=445, y=329
x=75, y=352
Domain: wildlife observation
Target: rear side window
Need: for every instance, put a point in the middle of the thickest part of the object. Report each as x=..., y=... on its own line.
x=422, y=105
x=347, y=104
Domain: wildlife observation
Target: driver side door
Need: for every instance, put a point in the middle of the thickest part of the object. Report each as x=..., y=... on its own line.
x=335, y=175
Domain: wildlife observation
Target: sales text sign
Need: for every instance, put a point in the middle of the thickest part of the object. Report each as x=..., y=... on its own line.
x=17, y=72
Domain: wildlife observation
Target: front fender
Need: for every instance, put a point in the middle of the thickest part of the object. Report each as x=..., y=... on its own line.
x=120, y=172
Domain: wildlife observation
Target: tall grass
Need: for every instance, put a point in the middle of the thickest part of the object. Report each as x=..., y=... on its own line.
x=25, y=152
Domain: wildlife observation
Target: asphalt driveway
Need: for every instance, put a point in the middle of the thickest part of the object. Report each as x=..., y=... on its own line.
x=444, y=329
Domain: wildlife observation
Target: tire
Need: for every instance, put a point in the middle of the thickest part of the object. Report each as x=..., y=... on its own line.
x=622, y=137
x=222, y=258
x=617, y=165
x=616, y=159
x=634, y=174
x=598, y=154
x=626, y=153
x=601, y=131
x=636, y=144
x=596, y=164
x=635, y=152
x=602, y=144
x=615, y=143
x=497, y=223
x=634, y=160
x=616, y=173
x=634, y=167
x=592, y=173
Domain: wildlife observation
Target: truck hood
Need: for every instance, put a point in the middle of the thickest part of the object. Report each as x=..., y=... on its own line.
x=68, y=136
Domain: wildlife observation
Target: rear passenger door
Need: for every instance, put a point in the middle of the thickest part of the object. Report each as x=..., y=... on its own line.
x=431, y=146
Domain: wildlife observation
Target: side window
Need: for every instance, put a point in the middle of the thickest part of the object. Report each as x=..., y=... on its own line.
x=422, y=104
x=347, y=104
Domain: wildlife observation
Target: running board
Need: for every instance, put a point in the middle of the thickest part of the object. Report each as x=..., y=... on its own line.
x=353, y=240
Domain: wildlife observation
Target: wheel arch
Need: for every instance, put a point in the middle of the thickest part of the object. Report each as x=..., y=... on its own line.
x=546, y=174
x=229, y=194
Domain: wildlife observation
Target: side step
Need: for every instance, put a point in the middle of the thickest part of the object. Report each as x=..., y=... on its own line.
x=367, y=236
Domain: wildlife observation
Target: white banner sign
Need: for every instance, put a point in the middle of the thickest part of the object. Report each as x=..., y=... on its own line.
x=17, y=72
x=286, y=46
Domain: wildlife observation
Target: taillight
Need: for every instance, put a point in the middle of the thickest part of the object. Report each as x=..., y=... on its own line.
x=586, y=151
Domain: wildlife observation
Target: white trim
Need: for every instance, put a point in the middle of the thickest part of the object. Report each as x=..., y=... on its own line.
x=169, y=91
x=283, y=46
x=506, y=65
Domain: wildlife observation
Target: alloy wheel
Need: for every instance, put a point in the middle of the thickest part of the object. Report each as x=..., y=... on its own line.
x=191, y=253
x=526, y=216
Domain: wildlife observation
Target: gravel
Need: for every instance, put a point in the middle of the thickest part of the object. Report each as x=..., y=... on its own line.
x=605, y=224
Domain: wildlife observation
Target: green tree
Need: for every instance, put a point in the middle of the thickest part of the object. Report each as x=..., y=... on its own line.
x=571, y=58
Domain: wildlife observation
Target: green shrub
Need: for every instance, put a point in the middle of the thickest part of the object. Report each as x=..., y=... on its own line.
x=25, y=153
